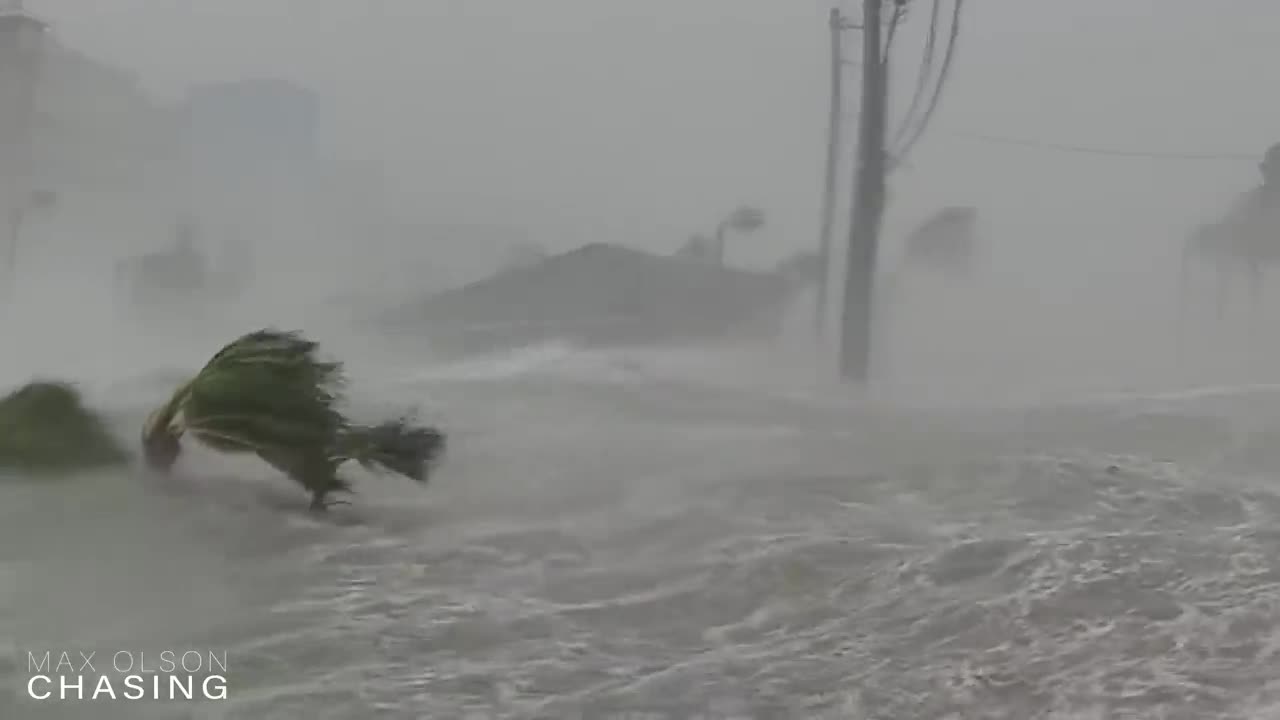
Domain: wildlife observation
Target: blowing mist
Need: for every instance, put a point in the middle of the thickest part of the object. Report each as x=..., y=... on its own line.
x=572, y=359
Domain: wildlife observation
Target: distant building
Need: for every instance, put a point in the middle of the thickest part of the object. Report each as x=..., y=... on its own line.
x=260, y=131
x=78, y=128
x=22, y=37
x=98, y=129
x=251, y=159
x=67, y=118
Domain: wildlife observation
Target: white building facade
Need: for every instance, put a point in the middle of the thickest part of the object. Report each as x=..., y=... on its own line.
x=88, y=134
x=251, y=158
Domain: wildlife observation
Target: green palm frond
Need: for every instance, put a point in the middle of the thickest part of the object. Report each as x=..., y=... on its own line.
x=270, y=388
x=280, y=349
x=266, y=389
x=399, y=446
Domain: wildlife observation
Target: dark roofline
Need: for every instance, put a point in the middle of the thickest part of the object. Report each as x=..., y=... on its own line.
x=16, y=12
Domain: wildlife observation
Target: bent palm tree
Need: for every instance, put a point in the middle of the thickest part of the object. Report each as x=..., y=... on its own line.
x=269, y=394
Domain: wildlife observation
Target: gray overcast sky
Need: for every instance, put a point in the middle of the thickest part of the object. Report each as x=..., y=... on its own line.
x=640, y=121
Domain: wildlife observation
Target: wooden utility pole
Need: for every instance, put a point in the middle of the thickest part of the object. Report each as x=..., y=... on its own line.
x=834, y=121
x=868, y=203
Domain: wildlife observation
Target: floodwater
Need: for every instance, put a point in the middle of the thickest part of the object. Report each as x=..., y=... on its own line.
x=635, y=535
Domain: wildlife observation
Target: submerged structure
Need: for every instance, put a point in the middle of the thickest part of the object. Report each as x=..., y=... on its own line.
x=601, y=295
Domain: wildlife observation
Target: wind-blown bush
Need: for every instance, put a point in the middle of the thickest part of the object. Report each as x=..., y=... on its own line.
x=46, y=428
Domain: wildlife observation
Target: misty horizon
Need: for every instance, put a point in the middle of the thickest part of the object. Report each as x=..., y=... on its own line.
x=598, y=121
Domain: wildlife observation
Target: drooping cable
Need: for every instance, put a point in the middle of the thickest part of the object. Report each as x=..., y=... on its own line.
x=939, y=87
x=922, y=76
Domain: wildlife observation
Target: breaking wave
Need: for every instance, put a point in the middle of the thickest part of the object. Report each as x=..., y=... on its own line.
x=675, y=533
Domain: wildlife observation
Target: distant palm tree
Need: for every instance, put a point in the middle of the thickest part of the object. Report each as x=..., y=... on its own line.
x=744, y=220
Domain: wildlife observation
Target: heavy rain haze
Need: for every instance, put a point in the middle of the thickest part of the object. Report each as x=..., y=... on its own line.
x=563, y=123
x=578, y=236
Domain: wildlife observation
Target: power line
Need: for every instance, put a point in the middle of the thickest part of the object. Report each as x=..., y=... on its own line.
x=899, y=14
x=1093, y=150
x=943, y=75
x=922, y=75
